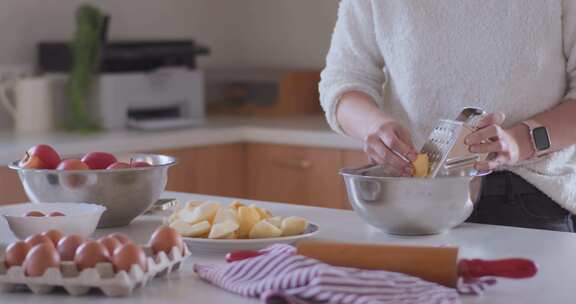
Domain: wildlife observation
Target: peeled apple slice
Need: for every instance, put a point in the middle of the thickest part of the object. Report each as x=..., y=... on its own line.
x=263, y=229
x=191, y=230
x=174, y=216
x=421, y=165
x=264, y=214
x=222, y=230
x=192, y=205
x=225, y=214
x=247, y=217
x=294, y=225
x=276, y=221
x=231, y=236
x=204, y=212
x=236, y=205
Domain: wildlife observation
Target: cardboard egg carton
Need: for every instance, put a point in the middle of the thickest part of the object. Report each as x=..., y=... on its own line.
x=101, y=277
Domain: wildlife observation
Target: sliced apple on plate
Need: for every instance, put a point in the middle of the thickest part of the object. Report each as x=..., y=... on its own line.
x=263, y=229
x=191, y=230
x=204, y=212
x=225, y=214
x=276, y=221
x=247, y=217
x=223, y=229
x=294, y=225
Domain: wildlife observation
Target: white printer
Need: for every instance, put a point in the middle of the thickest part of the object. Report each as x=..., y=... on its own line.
x=146, y=85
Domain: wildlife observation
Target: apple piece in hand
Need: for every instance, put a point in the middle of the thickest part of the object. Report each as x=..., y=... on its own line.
x=118, y=165
x=99, y=160
x=72, y=164
x=40, y=157
x=421, y=165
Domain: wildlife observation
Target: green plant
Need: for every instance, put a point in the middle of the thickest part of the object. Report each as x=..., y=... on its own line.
x=88, y=39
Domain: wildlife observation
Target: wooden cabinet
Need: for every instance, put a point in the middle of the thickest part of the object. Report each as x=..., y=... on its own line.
x=11, y=190
x=214, y=170
x=354, y=158
x=298, y=175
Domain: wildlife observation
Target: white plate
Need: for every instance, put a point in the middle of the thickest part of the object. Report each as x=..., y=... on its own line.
x=202, y=245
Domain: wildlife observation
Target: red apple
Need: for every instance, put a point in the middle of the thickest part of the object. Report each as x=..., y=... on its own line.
x=72, y=164
x=40, y=157
x=140, y=164
x=118, y=165
x=99, y=160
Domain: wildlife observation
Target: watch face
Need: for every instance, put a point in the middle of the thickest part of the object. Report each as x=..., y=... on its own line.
x=541, y=138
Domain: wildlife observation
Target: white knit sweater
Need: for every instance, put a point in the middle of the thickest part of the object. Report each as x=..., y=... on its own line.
x=423, y=60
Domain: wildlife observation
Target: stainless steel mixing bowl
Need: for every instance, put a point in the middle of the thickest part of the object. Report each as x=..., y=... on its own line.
x=410, y=206
x=126, y=193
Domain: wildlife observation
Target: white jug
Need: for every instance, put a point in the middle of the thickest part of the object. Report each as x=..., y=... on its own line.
x=29, y=101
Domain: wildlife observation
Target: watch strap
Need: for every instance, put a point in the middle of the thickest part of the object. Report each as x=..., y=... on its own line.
x=532, y=125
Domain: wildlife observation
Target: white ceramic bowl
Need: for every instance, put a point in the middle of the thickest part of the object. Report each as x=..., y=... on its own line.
x=80, y=218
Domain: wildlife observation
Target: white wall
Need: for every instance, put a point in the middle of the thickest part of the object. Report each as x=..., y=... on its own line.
x=280, y=33
x=241, y=33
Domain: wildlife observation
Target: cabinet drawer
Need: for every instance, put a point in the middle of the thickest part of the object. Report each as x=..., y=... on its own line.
x=11, y=190
x=295, y=175
x=213, y=170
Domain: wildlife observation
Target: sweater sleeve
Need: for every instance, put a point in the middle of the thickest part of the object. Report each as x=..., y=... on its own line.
x=354, y=61
x=569, y=37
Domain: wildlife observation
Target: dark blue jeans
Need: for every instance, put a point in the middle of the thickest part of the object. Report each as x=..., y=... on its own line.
x=507, y=199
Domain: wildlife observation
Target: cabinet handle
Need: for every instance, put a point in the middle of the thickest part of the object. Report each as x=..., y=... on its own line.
x=294, y=164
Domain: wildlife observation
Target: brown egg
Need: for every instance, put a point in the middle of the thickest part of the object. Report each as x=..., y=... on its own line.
x=164, y=239
x=39, y=259
x=128, y=255
x=67, y=246
x=89, y=254
x=54, y=235
x=35, y=214
x=38, y=239
x=16, y=253
x=56, y=213
x=111, y=243
x=121, y=237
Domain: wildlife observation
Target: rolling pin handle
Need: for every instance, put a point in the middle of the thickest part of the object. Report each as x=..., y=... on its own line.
x=242, y=255
x=506, y=268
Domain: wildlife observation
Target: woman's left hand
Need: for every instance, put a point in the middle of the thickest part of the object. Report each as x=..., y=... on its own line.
x=506, y=146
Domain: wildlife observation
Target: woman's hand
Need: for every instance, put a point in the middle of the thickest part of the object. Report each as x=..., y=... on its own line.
x=506, y=146
x=389, y=143
x=385, y=141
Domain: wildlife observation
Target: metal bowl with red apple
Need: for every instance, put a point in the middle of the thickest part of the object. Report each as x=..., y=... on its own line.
x=126, y=185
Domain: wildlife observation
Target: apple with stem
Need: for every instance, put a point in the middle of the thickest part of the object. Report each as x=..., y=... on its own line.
x=40, y=157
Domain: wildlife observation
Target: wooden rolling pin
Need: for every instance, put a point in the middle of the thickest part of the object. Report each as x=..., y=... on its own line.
x=433, y=264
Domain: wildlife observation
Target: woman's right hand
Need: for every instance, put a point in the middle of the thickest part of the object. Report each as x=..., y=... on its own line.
x=388, y=143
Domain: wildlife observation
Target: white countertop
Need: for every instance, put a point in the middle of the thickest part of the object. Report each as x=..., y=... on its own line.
x=553, y=251
x=310, y=131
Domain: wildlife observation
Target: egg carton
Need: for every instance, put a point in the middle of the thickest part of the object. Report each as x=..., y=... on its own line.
x=101, y=277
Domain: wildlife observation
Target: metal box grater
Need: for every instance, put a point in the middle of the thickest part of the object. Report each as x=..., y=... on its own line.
x=445, y=146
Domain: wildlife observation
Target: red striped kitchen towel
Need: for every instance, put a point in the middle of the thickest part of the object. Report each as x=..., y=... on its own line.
x=282, y=276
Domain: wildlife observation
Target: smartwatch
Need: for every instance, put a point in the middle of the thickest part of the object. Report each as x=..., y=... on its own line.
x=539, y=137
